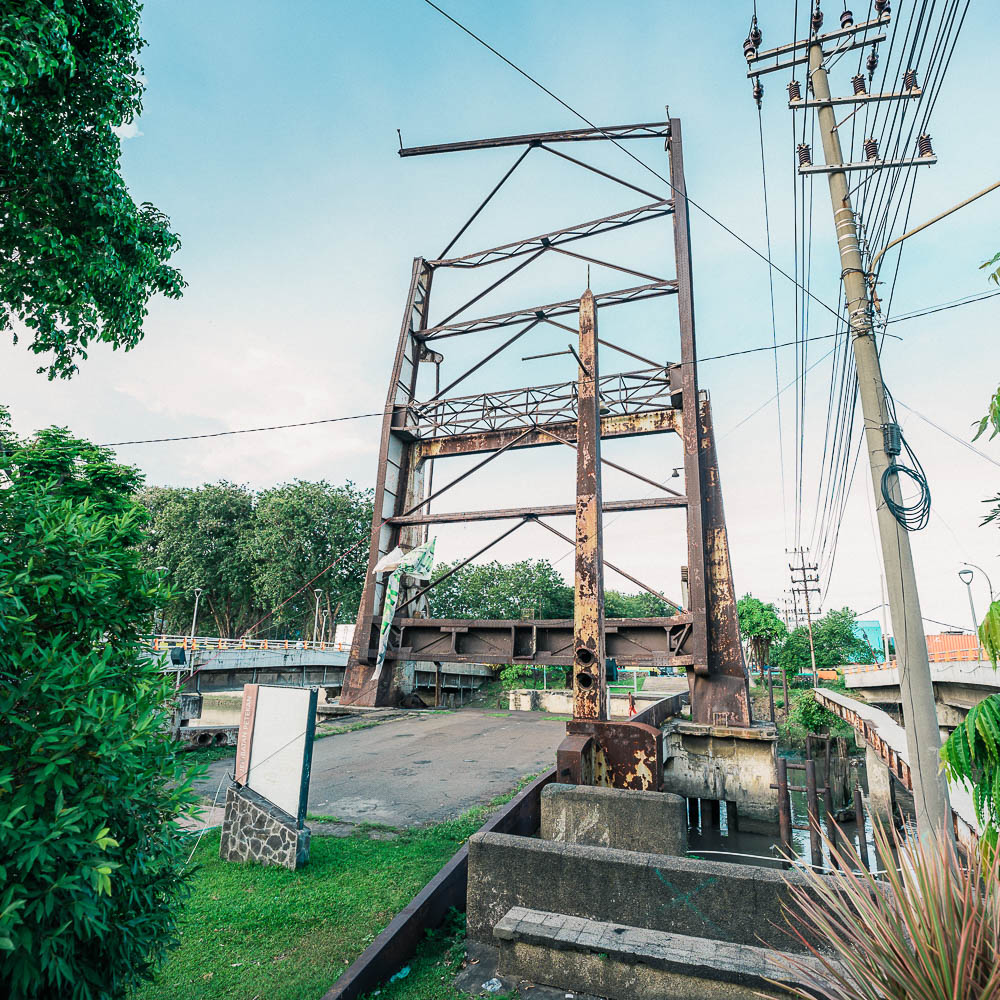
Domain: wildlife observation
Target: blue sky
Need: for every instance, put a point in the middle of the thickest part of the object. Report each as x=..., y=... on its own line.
x=269, y=138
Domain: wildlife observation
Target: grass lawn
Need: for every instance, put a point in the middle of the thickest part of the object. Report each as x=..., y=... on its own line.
x=253, y=932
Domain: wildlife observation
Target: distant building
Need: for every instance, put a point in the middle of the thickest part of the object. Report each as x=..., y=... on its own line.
x=871, y=631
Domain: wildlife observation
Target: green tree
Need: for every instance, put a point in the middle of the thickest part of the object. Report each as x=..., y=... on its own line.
x=79, y=259
x=249, y=551
x=640, y=605
x=502, y=591
x=91, y=864
x=760, y=628
x=299, y=529
x=203, y=538
x=835, y=641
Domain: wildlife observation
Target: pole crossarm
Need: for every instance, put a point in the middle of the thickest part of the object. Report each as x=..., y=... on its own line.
x=830, y=36
x=899, y=95
x=832, y=168
x=646, y=130
x=580, y=231
x=636, y=293
x=858, y=43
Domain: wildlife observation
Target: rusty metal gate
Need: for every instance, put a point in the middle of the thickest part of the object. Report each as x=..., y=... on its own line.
x=422, y=427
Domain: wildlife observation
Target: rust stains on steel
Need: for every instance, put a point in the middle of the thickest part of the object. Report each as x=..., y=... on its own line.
x=590, y=690
x=423, y=423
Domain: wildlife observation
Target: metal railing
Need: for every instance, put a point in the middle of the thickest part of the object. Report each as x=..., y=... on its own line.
x=163, y=642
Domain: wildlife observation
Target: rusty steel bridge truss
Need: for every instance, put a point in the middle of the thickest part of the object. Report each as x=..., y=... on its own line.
x=701, y=637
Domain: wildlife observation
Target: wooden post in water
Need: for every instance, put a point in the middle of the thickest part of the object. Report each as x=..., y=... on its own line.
x=831, y=818
x=859, y=816
x=784, y=804
x=812, y=806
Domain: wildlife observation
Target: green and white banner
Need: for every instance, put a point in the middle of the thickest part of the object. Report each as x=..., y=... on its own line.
x=417, y=563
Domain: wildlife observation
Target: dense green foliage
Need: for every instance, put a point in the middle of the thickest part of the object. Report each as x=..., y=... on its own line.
x=760, y=628
x=79, y=260
x=972, y=753
x=90, y=785
x=249, y=551
x=506, y=590
x=835, y=642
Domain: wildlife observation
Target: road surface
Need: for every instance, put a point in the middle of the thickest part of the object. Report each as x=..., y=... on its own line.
x=422, y=768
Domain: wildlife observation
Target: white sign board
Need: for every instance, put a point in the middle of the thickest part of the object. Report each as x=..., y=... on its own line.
x=274, y=749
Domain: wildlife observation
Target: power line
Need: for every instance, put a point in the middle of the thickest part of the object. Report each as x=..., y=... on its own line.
x=245, y=430
x=954, y=437
x=362, y=416
x=968, y=300
x=627, y=152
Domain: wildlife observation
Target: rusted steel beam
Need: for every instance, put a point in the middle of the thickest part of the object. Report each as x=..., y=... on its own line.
x=555, y=238
x=614, y=426
x=650, y=642
x=612, y=753
x=724, y=695
x=646, y=130
x=555, y=510
x=621, y=296
x=590, y=689
x=398, y=483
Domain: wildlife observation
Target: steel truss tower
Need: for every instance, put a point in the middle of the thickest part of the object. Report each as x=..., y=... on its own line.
x=421, y=429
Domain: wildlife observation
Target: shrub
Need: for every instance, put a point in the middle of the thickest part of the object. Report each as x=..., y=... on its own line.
x=928, y=927
x=91, y=863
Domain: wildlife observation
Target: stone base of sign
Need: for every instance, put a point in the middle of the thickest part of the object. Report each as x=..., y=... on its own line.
x=255, y=829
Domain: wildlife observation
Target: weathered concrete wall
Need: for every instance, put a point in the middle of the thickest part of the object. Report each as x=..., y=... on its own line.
x=736, y=903
x=879, y=801
x=255, y=829
x=728, y=765
x=559, y=701
x=628, y=820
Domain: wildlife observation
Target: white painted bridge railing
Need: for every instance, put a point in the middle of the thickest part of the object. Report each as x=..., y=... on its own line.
x=340, y=643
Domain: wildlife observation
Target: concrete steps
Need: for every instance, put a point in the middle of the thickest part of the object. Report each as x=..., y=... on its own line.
x=634, y=963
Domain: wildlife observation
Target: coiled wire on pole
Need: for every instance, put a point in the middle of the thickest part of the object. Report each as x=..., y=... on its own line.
x=915, y=515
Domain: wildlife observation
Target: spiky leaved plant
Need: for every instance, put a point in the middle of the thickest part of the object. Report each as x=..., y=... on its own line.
x=927, y=928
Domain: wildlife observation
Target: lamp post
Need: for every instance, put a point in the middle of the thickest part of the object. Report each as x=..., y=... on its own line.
x=322, y=634
x=317, y=592
x=194, y=617
x=989, y=583
x=966, y=575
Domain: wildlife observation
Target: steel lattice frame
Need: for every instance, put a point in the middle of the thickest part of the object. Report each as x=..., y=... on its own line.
x=703, y=638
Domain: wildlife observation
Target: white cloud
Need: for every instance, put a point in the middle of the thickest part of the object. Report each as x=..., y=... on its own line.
x=127, y=130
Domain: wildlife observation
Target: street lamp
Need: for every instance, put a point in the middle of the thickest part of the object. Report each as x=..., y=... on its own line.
x=317, y=592
x=989, y=583
x=966, y=575
x=194, y=617
x=322, y=634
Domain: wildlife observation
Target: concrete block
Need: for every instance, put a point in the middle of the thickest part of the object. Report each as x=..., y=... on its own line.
x=255, y=829
x=726, y=765
x=654, y=822
x=633, y=963
x=741, y=904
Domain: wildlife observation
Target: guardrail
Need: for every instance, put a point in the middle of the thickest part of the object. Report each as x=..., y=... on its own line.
x=163, y=642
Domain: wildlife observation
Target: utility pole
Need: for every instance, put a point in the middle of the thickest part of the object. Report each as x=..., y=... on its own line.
x=804, y=586
x=882, y=436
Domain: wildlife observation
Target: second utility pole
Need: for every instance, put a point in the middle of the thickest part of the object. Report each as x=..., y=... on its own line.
x=923, y=738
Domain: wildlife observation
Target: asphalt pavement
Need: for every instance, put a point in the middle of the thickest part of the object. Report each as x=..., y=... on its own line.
x=423, y=768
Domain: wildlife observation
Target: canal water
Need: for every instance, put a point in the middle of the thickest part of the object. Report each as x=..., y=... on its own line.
x=740, y=847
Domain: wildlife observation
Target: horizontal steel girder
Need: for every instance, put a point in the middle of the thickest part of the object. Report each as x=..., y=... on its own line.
x=628, y=425
x=644, y=130
x=639, y=642
x=556, y=510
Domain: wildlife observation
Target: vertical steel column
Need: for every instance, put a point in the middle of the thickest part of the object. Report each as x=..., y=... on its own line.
x=398, y=483
x=689, y=405
x=589, y=666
